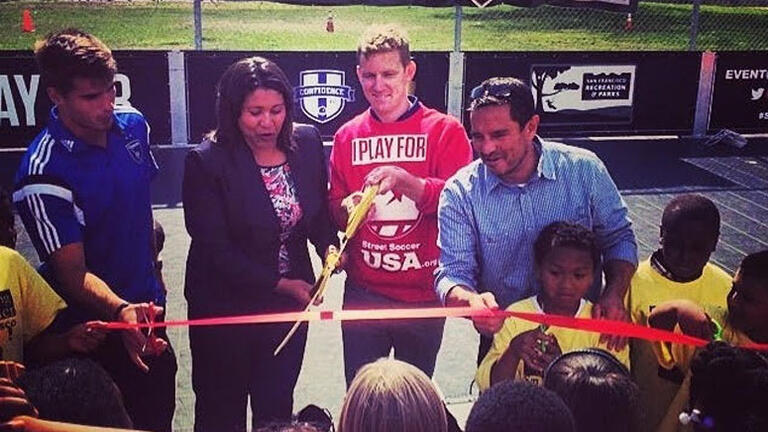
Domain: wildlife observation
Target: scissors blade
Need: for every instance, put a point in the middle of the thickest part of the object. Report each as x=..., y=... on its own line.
x=318, y=291
x=319, y=288
x=287, y=338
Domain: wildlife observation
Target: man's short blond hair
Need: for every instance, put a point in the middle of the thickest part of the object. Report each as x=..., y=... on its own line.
x=384, y=38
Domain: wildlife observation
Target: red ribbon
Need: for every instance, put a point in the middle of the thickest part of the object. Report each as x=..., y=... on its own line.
x=609, y=327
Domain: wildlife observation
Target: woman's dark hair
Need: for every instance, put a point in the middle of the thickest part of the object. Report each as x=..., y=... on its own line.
x=238, y=81
x=565, y=234
x=597, y=389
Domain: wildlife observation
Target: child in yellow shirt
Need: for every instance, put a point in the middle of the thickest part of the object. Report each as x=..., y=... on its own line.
x=679, y=269
x=565, y=256
x=29, y=306
x=745, y=321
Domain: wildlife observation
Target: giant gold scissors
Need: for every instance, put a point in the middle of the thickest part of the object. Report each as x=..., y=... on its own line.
x=355, y=219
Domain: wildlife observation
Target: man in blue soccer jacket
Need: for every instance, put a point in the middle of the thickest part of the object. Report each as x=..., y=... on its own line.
x=82, y=191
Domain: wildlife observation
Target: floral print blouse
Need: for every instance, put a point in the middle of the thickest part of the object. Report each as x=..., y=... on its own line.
x=285, y=201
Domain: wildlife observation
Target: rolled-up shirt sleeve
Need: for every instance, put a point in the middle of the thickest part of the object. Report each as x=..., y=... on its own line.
x=611, y=223
x=457, y=240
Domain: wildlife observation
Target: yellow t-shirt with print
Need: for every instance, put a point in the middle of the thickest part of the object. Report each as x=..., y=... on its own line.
x=28, y=305
x=568, y=339
x=658, y=386
x=679, y=357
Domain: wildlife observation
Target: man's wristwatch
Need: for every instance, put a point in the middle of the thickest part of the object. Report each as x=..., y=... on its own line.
x=116, y=314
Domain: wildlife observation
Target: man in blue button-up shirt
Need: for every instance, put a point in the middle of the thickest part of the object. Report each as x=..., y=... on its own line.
x=491, y=211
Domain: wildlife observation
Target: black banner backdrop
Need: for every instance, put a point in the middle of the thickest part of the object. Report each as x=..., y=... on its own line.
x=326, y=88
x=740, y=98
x=23, y=103
x=580, y=93
x=142, y=82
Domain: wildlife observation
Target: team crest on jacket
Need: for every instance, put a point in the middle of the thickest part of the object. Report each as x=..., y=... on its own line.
x=134, y=149
x=396, y=216
x=323, y=93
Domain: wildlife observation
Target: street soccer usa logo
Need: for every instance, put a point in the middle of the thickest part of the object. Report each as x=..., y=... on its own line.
x=322, y=94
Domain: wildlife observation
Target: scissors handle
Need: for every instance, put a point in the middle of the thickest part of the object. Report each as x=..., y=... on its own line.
x=150, y=320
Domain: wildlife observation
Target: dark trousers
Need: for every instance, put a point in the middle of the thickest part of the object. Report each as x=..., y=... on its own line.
x=416, y=341
x=485, y=345
x=230, y=363
x=150, y=398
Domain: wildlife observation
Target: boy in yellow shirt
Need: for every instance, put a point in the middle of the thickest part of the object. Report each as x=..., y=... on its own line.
x=743, y=322
x=679, y=269
x=565, y=256
x=28, y=306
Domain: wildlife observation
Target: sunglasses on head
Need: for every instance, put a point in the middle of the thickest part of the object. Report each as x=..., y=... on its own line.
x=496, y=90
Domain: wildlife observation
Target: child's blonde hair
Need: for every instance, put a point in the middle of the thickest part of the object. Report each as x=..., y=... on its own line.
x=391, y=395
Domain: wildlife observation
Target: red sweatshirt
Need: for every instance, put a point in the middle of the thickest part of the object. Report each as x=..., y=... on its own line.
x=395, y=253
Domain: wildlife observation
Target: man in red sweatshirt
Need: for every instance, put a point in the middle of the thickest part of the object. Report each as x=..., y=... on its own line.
x=409, y=150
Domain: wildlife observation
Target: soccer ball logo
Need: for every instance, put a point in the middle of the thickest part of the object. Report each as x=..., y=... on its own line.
x=395, y=217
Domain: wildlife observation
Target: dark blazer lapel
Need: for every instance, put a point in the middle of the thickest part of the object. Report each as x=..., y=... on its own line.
x=300, y=178
x=250, y=188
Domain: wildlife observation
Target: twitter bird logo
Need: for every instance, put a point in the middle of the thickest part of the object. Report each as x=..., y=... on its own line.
x=757, y=93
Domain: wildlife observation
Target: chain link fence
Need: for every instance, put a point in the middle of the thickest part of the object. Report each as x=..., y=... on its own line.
x=672, y=25
x=665, y=26
x=658, y=25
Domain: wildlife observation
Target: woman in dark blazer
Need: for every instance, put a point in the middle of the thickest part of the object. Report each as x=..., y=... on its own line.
x=254, y=192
